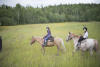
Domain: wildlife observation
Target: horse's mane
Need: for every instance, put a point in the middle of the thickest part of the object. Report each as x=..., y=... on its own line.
x=37, y=37
x=75, y=35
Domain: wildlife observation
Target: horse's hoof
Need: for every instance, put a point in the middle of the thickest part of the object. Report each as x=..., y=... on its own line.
x=72, y=53
x=57, y=54
x=82, y=55
x=43, y=54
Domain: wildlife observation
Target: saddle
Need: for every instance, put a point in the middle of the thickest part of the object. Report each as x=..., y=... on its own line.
x=84, y=40
x=51, y=39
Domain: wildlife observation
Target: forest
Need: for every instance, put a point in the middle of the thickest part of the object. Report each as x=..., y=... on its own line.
x=50, y=14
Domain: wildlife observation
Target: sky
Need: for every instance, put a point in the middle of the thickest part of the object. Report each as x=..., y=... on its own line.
x=39, y=3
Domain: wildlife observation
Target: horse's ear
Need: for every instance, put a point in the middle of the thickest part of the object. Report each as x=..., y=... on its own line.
x=80, y=34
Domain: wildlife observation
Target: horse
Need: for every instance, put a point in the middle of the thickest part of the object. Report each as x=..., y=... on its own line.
x=87, y=44
x=57, y=42
x=0, y=44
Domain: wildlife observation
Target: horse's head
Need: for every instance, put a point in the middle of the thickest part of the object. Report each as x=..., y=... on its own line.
x=33, y=40
x=69, y=37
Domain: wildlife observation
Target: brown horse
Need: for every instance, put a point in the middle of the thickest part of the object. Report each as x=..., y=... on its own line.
x=57, y=42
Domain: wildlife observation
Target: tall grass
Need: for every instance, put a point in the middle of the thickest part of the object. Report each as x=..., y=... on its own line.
x=17, y=51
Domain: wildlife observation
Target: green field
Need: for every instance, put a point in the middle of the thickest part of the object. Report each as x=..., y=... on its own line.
x=17, y=51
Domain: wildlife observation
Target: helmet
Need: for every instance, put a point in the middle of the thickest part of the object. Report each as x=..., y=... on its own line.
x=85, y=28
x=47, y=27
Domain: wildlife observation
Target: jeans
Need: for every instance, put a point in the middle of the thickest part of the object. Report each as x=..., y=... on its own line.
x=80, y=39
x=46, y=39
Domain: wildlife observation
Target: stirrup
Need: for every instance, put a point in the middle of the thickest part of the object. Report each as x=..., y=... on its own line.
x=78, y=44
x=43, y=45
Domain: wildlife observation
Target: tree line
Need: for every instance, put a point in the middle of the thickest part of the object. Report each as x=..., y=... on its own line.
x=50, y=14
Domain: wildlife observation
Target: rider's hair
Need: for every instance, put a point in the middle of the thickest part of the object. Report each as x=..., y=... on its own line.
x=47, y=27
x=85, y=28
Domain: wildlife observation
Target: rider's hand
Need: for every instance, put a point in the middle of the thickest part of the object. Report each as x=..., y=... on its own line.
x=43, y=37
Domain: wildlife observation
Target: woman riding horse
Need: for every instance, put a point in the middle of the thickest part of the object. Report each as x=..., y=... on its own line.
x=90, y=44
x=85, y=36
x=47, y=36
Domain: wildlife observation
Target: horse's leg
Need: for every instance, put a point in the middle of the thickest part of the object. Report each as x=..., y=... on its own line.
x=75, y=49
x=91, y=51
x=57, y=50
x=82, y=52
x=61, y=49
x=43, y=50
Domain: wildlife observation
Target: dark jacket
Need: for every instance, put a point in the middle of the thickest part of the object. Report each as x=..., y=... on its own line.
x=48, y=33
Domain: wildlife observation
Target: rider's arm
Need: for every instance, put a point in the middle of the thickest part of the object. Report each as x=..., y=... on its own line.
x=49, y=32
x=46, y=34
x=85, y=35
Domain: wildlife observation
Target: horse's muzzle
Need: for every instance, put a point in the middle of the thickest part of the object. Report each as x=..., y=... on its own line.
x=30, y=43
x=66, y=40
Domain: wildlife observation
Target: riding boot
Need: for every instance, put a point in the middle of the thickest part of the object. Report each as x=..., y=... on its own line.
x=79, y=43
x=44, y=44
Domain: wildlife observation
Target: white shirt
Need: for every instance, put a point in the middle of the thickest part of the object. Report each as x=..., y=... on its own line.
x=85, y=35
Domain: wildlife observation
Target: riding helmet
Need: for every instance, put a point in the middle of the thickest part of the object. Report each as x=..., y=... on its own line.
x=85, y=28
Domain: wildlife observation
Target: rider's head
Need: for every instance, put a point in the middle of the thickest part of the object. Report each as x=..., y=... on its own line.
x=47, y=27
x=85, y=28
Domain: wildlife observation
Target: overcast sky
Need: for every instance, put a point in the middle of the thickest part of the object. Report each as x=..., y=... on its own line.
x=40, y=3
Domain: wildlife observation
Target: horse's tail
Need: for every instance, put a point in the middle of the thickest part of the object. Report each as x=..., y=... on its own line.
x=96, y=46
x=62, y=42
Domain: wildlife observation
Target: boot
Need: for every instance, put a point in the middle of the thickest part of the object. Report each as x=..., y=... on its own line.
x=78, y=45
x=45, y=42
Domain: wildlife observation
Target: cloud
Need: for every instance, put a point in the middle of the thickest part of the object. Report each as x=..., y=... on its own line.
x=40, y=3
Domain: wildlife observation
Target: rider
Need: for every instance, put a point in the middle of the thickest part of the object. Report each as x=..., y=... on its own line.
x=85, y=36
x=47, y=36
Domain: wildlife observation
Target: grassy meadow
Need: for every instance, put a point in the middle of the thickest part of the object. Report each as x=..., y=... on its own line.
x=17, y=51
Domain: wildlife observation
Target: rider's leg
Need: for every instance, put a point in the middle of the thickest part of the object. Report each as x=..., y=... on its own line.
x=91, y=51
x=45, y=41
x=79, y=41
